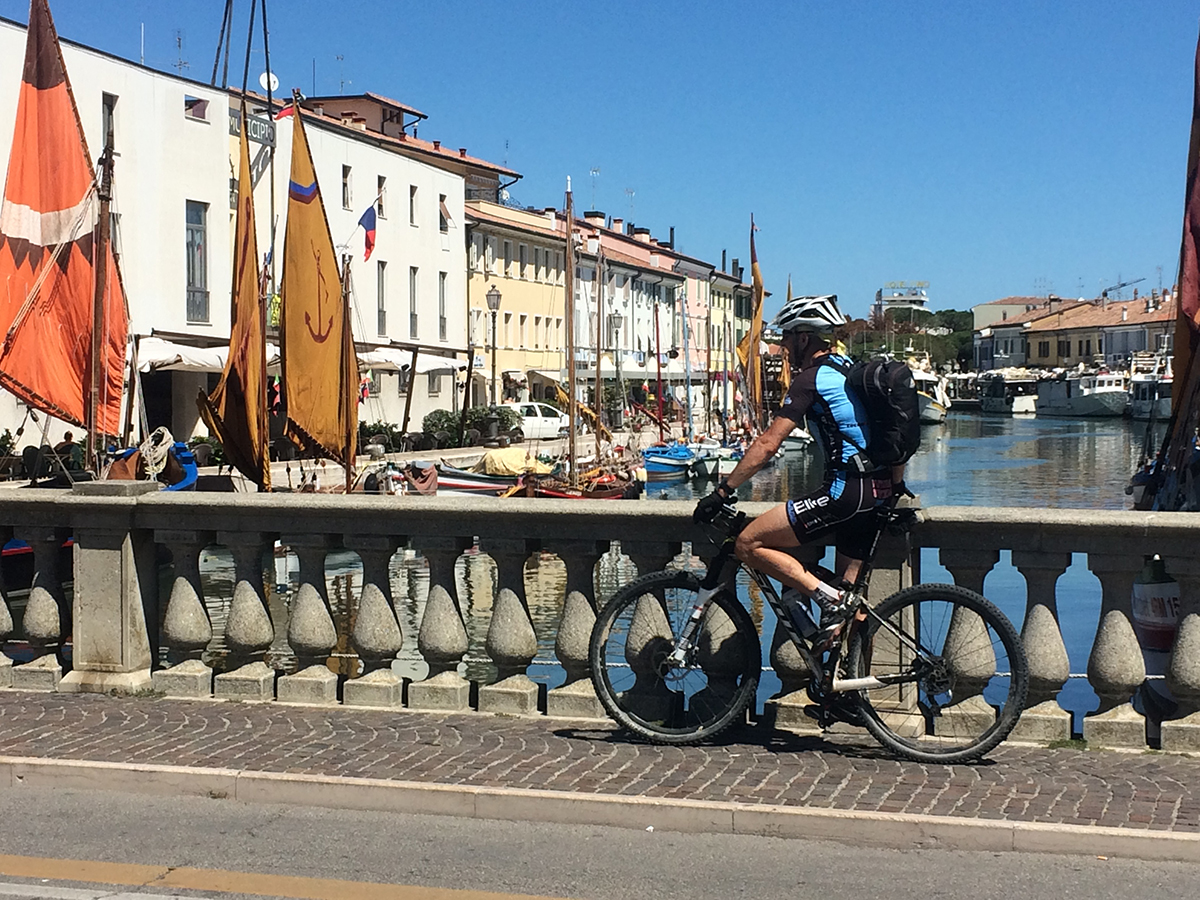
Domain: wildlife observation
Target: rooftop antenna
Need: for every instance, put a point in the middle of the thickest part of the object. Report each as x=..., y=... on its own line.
x=629, y=192
x=1159, y=278
x=180, y=62
x=143, y=57
x=595, y=173
x=506, y=153
x=342, y=82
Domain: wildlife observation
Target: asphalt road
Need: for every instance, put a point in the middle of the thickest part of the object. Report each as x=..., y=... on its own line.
x=514, y=858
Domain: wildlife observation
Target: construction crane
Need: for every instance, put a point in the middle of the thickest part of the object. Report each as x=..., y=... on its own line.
x=1117, y=287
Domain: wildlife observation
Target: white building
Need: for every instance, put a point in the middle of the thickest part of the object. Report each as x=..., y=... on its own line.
x=173, y=186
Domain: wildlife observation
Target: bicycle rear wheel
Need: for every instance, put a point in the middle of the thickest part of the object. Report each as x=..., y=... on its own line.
x=964, y=668
x=673, y=704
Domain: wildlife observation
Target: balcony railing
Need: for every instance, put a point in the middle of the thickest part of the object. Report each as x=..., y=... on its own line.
x=441, y=592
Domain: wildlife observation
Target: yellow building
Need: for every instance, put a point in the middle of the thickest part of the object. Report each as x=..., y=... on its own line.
x=521, y=254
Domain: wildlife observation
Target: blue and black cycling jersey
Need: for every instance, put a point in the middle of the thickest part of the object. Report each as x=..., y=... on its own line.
x=835, y=414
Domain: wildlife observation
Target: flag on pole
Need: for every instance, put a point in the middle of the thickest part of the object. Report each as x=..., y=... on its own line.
x=748, y=347
x=368, y=225
x=285, y=112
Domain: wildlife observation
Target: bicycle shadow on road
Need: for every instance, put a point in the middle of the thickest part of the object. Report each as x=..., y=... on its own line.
x=851, y=744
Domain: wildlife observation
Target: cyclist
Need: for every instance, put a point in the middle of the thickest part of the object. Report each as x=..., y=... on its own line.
x=852, y=486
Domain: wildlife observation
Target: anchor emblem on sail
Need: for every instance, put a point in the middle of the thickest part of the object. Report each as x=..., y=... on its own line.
x=322, y=293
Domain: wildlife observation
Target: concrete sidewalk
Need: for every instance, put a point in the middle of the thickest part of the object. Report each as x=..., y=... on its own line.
x=1062, y=800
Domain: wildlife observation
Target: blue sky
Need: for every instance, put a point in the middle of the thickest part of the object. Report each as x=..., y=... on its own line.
x=990, y=149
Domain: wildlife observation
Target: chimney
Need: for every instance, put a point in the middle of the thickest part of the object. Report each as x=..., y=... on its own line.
x=1054, y=303
x=629, y=229
x=722, y=260
x=462, y=151
x=618, y=224
x=437, y=145
x=671, y=244
x=594, y=217
x=593, y=244
x=735, y=270
x=1124, y=313
x=551, y=216
x=642, y=235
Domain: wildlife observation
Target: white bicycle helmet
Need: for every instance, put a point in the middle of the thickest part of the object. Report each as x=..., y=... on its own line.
x=819, y=314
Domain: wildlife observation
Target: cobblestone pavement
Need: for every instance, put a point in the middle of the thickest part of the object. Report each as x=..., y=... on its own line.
x=1131, y=790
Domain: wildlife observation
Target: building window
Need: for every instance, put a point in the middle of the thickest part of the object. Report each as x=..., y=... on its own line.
x=476, y=336
x=412, y=204
x=441, y=306
x=347, y=193
x=558, y=343
x=490, y=265
x=194, y=108
x=537, y=331
x=1088, y=348
x=1064, y=348
x=381, y=196
x=507, y=271
x=522, y=261
x=412, y=302
x=1081, y=348
x=558, y=267
x=443, y=215
x=521, y=333
x=435, y=383
x=380, y=297
x=476, y=251
x=108, y=118
x=508, y=330
x=197, y=262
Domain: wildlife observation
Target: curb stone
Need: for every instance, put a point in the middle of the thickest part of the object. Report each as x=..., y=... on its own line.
x=894, y=830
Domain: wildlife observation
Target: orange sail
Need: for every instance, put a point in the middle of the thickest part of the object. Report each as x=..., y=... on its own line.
x=47, y=265
x=316, y=345
x=236, y=410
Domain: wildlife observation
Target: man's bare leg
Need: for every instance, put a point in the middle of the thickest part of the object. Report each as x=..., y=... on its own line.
x=764, y=543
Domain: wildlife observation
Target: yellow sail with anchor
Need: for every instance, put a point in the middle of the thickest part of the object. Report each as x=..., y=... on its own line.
x=319, y=368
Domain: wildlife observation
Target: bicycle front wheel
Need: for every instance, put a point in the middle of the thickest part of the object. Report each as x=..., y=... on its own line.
x=654, y=698
x=955, y=668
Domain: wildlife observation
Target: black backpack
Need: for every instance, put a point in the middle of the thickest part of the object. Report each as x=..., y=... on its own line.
x=888, y=392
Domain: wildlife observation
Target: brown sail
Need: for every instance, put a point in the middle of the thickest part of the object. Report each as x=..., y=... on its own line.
x=47, y=258
x=236, y=410
x=320, y=370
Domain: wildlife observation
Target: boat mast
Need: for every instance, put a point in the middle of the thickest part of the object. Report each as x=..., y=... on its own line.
x=569, y=314
x=100, y=263
x=350, y=382
x=599, y=319
x=658, y=360
x=708, y=365
x=687, y=364
x=725, y=381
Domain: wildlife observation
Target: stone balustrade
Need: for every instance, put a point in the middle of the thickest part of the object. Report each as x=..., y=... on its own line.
x=138, y=618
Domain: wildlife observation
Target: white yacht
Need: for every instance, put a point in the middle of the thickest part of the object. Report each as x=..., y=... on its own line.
x=1009, y=393
x=1150, y=381
x=1077, y=394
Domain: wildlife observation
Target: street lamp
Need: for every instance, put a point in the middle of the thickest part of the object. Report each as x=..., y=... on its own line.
x=493, y=302
x=614, y=320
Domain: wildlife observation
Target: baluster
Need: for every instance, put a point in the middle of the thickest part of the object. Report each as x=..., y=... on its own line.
x=186, y=628
x=1043, y=720
x=651, y=556
x=1183, y=669
x=511, y=641
x=786, y=709
x=248, y=629
x=1115, y=666
x=968, y=647
x=6, y=622
x=376, y=634
x=442, y=638
x=576, y=698
x=311, y=632
x=47, y=614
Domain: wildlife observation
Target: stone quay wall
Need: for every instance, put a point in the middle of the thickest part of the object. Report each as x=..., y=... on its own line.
x=117, y=621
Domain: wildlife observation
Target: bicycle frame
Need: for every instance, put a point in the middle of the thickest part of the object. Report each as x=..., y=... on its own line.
x=716, y=578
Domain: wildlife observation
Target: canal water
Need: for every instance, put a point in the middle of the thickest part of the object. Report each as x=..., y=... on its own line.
x=970, y=460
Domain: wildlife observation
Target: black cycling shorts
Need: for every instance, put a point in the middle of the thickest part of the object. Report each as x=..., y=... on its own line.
x=847, y=516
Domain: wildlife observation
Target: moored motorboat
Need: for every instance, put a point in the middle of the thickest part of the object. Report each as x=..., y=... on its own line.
x=1150, y=383
x=667, y=461
x=1079, y=395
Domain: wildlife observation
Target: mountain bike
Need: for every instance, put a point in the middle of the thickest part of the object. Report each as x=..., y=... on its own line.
x=935, y=672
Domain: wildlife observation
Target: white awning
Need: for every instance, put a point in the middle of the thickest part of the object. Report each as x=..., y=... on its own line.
x=548, y=374
x=155, y=354
x=396, y=358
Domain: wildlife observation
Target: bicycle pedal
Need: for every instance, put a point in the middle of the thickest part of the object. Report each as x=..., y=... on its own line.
x=832, y=713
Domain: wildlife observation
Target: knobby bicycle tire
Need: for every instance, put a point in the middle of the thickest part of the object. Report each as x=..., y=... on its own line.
x=634, y=633
x=968, y=701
